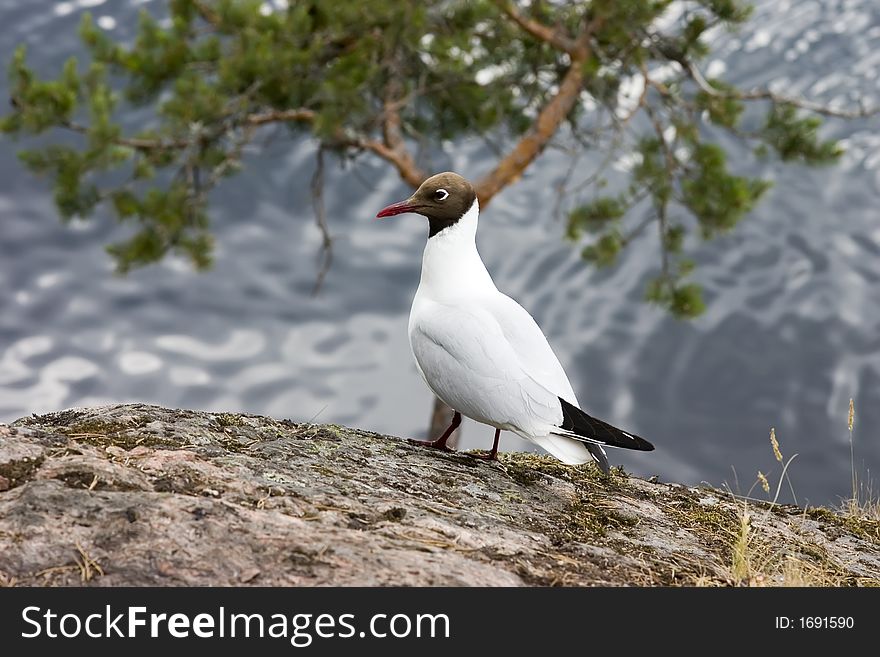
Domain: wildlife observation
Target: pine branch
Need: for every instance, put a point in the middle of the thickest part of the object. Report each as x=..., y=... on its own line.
x=393, y=146
x=546, y=124
x=279, y=116
x=326, y=255
x=697, y=76
x=208, y=13
x=406, y=166
x=136, y=143
x=537, y=29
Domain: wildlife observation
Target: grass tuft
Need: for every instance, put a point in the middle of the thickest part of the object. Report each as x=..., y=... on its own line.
x=863, y=503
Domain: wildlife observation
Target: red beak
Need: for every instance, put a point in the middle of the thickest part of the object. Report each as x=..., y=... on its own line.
x=397, y=208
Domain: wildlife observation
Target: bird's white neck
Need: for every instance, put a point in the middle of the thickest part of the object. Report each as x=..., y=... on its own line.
x=451, y=266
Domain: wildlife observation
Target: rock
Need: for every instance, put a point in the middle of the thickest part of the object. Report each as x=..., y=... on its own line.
x=133, y=495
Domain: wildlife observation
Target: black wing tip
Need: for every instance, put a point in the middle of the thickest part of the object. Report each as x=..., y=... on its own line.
x=579, y=422
x=644, y=445
x=600, y=458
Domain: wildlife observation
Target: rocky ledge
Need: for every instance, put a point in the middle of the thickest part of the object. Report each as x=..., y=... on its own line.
x=141, y=495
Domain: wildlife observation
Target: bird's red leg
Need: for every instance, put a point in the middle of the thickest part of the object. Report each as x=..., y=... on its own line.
x=493, y=455
x=440, y=443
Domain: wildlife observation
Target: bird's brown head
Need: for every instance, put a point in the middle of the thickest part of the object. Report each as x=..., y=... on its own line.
x=443, y=199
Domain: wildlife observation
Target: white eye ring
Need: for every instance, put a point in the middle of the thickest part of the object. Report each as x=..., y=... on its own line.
x=441, y=194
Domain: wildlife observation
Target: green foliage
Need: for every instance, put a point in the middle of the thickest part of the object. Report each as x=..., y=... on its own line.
x=673, y=239
x=594, y=215
x=729, y=11
x=603, y=252
x=797, y=138
x=354, y=74
x=724, y=108
x=718, y=199
x=655, y=169
x=684, y=301
x=48, y=103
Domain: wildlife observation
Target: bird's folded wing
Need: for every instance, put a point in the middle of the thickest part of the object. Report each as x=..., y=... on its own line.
x=469, y=363
x=530, y=345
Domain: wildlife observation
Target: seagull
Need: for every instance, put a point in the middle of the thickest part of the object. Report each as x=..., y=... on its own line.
x=482, y=353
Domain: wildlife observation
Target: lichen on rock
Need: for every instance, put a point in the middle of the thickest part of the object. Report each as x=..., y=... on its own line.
x=141, y=495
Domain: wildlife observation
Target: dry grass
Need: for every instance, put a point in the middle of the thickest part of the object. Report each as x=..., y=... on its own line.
x=864, y=505
x=88, y=567
x=863, y=502
x=755, y=561
x=799, y=572
x=741, y=551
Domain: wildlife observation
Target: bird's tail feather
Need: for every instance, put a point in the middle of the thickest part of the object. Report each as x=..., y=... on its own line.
x=600, y=457
x=577, y=425
x=572, y=452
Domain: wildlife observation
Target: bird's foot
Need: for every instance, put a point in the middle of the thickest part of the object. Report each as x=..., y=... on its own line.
x=492, y=455
x=434, y=444
x=440, y=443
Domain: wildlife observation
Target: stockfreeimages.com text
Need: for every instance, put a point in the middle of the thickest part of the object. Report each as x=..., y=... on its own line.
x=300, y=629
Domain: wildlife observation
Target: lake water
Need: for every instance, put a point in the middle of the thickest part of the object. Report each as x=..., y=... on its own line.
x=791, y=333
